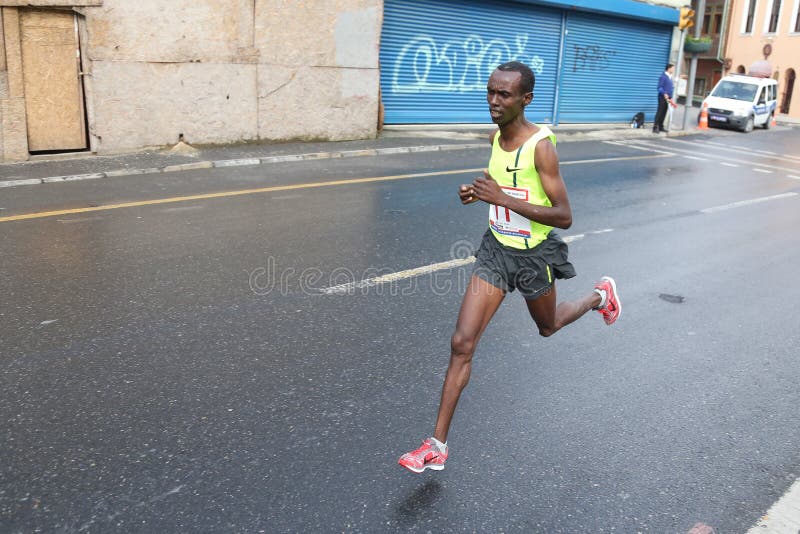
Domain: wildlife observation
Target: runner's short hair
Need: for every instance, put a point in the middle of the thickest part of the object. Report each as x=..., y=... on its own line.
x=527, y=81
x=668, y=66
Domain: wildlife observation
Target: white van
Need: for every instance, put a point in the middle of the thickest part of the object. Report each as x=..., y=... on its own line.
x=742, y=102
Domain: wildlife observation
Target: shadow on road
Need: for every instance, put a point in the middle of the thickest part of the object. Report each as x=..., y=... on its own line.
x=418, y=502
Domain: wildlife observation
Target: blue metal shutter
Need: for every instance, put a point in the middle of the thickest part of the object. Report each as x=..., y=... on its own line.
x=436, y=57
x=611, y=68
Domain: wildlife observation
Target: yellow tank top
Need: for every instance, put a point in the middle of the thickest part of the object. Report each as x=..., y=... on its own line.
x=517, y=175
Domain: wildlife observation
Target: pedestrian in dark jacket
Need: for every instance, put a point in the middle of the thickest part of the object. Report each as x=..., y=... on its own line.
x=664, y=98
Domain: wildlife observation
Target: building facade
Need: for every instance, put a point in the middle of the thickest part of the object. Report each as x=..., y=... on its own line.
x=594, y=62
x=109, y=76
x=744, y=32
x=768, y=30
x=117, y=75
x=711, y=65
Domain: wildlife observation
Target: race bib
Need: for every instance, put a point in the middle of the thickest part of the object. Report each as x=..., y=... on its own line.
x=507, y=222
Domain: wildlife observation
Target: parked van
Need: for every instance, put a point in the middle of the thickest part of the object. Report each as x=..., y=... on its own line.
x=742, y=102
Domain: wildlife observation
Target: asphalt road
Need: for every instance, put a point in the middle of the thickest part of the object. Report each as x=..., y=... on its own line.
x=177, y=367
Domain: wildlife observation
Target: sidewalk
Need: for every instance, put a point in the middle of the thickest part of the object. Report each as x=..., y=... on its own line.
x=392, y=140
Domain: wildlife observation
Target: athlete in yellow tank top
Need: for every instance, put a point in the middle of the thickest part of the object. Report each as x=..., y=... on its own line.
x=527, y=198
x=515, y=172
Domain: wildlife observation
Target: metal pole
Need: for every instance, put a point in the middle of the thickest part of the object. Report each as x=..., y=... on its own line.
x=722, y=32
x=698, y=26
x=677, y=79
x=690, y=91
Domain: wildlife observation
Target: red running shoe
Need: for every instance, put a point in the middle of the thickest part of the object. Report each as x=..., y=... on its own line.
x=611, y=307
x=428, y=456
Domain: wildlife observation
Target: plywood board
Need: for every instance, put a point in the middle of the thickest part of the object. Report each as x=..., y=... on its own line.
x=53, y=96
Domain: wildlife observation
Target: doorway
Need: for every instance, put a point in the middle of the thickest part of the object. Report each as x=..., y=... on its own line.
x=51, y=73
x=716, y=76
x=786, y=101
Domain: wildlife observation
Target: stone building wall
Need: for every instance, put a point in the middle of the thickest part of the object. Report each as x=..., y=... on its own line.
x=216, y=71
x=222, y=71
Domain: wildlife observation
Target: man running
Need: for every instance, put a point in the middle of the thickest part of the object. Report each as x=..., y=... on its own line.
x=527, y=198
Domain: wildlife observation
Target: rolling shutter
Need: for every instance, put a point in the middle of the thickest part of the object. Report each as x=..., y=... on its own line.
x=436, y=57
x=611, y=68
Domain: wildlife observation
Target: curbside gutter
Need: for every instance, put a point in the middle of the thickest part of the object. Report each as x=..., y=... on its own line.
x=242, y=162
x=312, y=156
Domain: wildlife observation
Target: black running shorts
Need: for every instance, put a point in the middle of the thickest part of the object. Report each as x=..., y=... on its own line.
x=532, y=270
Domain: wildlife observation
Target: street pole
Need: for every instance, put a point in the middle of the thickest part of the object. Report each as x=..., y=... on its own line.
x=677, y=79
x=698, y=28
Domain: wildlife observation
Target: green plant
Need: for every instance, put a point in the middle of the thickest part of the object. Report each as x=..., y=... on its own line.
x=697, y=45
x=698, y=40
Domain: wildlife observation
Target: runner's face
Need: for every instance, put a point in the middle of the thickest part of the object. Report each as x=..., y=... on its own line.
x=506, y=99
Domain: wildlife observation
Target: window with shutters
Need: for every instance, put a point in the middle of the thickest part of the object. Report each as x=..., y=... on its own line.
x=773, y=16
x=748, y=19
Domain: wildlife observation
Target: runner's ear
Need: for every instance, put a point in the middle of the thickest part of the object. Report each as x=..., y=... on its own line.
x=527, y=99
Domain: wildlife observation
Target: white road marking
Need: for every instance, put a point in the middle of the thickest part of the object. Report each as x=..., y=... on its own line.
x=788, y=156
x=728, y=164
x=765, y=171
x=794, y=176
x=747, y=202
x=729, y=159
x=695, y=158
x=738, y=149
x=425, y=269
x=617, y=143
x=400, y=275
x=784, y=516
x=623, y=158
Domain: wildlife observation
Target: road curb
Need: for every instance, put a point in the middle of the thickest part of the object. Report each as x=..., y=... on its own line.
x=15, y=183
x=133, y=172
x=240, y=162
x=189, y=166
x=73, y=177
x=285, y=158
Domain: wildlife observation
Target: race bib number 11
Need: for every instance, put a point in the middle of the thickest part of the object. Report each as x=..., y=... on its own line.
x=506, y=222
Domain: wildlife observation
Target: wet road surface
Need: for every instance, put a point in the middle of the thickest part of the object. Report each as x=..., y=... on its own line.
x=176, y=366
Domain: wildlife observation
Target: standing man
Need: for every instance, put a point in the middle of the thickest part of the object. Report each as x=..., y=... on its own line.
x=527, y=198
x=664, y=98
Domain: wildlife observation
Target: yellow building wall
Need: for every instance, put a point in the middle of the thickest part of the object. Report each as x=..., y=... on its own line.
x=745, y=49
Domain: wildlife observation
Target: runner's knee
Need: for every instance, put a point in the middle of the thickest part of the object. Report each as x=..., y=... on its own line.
x=547, y=331
x=462, y=346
